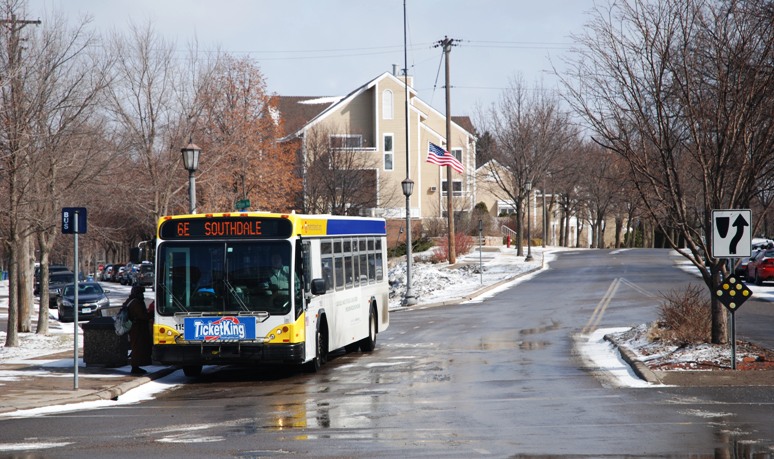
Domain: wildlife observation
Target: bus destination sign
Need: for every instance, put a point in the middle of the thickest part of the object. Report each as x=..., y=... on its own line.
x=225, y=227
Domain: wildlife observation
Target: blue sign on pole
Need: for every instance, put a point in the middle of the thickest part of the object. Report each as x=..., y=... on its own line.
x=69, y=214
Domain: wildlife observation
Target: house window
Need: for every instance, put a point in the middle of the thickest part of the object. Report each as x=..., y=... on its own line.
x=457, y=152
x=456, y=187
x=387, y=106
x=389, y=153
x=346, y=141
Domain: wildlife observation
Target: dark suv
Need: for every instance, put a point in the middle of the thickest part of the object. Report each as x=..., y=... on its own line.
x=51, y=270
x=57, y=281
x=142, y=275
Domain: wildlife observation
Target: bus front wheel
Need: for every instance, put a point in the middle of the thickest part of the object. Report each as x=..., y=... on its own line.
x=321, y=350
x=368, y=343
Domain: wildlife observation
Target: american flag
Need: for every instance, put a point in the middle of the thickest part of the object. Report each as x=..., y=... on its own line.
x=439, y=156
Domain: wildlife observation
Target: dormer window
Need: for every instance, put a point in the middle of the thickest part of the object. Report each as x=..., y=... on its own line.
x=346, y=141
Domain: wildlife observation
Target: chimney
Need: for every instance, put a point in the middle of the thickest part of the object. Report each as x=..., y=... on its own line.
x=402, y=76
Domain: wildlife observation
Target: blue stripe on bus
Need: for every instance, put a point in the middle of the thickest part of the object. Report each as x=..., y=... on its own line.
x=340, y=227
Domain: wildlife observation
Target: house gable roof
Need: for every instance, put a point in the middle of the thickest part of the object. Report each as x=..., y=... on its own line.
x=300, y=113
x=297, y=111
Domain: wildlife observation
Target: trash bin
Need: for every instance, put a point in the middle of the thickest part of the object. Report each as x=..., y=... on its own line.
x=101, y=345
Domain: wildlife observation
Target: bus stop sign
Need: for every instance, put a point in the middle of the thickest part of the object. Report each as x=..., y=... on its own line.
x=69, y=214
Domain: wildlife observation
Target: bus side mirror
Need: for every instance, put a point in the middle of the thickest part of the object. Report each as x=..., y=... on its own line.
x=318, y=286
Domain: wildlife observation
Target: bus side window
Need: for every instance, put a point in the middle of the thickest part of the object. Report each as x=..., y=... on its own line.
x=326, y=264
x=363, y=268
x=362, y=261
x=348, y=263
x=327, y=270
x=338, y=264
x=378, y=265
x=371, y=261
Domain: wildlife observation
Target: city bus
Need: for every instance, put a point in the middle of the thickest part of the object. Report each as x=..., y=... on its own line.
x=257, y=287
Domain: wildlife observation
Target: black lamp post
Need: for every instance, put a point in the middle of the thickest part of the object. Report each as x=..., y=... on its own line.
x=545, y=213
x=408, y=188
x=191, y=163
x=528, y=187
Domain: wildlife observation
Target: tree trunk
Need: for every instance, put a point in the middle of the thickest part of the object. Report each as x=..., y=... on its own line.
x=719, y=320
x=24, y=320
x=42, y=328
x=519, y=229
x=12, y=335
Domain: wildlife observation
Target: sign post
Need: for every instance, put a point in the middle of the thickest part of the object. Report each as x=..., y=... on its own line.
x=732, y=238
x=74, y=222
x=732, y=293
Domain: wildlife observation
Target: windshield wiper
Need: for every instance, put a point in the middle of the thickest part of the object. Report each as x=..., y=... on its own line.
x=234, y=295
x=176, y=302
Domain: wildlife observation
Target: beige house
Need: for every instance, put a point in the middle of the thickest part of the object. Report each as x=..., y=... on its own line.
x=370, y=123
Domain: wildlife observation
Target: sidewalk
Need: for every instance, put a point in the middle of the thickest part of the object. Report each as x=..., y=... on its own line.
x=49, y=381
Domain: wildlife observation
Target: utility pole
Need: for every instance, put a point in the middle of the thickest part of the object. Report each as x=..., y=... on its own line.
x=447, y=43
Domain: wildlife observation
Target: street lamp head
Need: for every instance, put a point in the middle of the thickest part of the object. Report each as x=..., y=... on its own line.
x=408, y=187
x=528, y=185
x=191, y=157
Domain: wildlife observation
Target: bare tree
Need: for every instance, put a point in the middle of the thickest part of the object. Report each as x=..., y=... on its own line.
x=48, y=97
x=530, y=131
x=70, y=78
x=15, y=127
x=680, y=89
x=153, y=106
x=240, y=134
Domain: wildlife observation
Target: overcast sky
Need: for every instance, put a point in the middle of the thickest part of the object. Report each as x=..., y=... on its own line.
x=330, y=47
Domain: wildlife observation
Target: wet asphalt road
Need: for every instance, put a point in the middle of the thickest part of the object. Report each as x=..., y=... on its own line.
x=491, y=379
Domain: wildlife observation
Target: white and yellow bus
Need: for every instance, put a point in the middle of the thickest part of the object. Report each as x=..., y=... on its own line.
x=252, y=287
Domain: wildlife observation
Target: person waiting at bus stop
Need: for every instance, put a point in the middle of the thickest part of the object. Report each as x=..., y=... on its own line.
x=140, y=340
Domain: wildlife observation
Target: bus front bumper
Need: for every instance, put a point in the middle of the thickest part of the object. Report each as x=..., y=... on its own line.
x=228, y=353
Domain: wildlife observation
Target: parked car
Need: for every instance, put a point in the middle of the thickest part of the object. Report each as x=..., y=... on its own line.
x=105, y=275
x=123, y=274
x=114, y=272
x=741, y=269
x=142, y=274
x=762, y=243
x=51, y=270
x=56, y=282
x=760, y=268
x=92, y=299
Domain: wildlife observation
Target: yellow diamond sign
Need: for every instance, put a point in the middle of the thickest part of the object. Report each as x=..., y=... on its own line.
x=732, y=293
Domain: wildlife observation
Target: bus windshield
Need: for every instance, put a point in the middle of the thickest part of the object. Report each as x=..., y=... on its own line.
x=226, y=277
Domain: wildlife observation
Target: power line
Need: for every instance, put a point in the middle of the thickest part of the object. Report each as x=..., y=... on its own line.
x=519, y=44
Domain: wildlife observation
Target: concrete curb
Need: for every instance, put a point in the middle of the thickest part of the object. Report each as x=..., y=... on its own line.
x=112, y=393
x=60, y=397
x=638, y=367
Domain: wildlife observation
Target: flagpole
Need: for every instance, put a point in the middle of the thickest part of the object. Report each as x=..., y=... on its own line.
x=408, y=184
